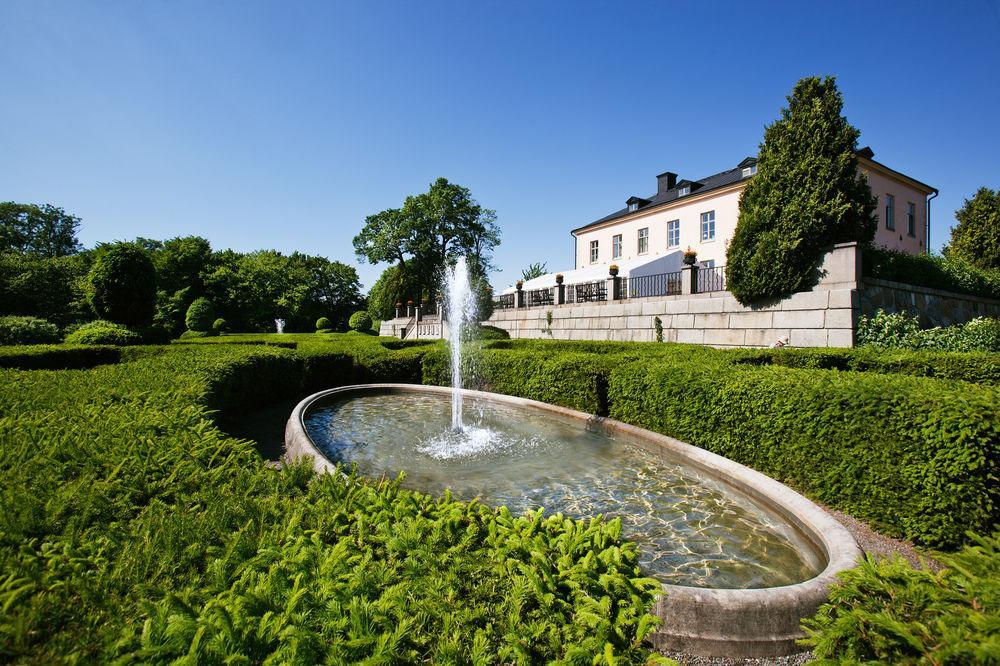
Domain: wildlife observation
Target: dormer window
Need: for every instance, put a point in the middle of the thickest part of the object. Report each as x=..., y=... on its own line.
x=684, y=190
x=749, y=170
x=632, y=207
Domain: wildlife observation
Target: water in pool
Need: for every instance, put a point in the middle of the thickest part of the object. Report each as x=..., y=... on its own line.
x=691, y=529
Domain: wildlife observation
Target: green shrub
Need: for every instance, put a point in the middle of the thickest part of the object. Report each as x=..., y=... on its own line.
x=194, y=335
x=103, y=332
x=482, y=332
x=200, y=315
x=57, y=357
x=916, y=457
x=887, y=612
x=928, y=270
x=902, y=331
x=122, y=285
x=220, y=325
x=27, y=331
x=134, y=530
x=360, y=321
x=154, y=335
x=323, y=324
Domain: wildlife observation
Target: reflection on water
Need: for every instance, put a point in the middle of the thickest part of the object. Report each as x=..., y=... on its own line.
x=691, y=529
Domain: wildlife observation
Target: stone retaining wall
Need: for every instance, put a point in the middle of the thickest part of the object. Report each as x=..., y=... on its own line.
x=934, y=306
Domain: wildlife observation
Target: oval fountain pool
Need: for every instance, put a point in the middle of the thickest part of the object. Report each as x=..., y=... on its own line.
x=742, y=557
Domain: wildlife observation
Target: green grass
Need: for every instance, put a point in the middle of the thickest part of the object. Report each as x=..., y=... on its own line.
x=135, y=531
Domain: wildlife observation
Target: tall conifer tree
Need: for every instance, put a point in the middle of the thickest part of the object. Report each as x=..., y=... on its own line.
x=806, y=196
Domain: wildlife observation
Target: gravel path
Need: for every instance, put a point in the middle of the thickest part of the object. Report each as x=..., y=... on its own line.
x=872, y=542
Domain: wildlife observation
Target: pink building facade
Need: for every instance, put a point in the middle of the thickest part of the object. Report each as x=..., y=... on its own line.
x=702, y=215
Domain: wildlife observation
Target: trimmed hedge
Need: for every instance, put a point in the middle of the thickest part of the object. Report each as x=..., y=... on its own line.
x=932, y=271
x=57, y=357
x=102, y=332
x=916, y=457
x=134, y=530
x=27, y=331
x=887, y=612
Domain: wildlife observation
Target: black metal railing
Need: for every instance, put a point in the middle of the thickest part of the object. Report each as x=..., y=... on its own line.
x=537, y=297
x=505, y=302
x=712, y=279
x=661, y=284
x=587, y=292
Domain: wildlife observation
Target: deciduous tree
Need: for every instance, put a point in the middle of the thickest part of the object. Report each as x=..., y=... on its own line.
x=976, y=237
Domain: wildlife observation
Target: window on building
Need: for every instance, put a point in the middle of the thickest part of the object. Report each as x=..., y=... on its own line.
x=673, y=233
x=644, y=240
x=890, y=211
x=708, y=226
x=616, y=247
x=632, y=207
x=684, y=190
x=593, y=252
x=749, y=171
x=911, y=219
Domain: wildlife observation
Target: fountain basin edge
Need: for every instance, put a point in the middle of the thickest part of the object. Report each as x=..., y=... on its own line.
x=761, y=622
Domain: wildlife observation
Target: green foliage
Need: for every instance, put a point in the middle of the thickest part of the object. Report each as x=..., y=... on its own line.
x=392, y=286
x=902, y=331
x=323, y=324
x=976, y=237
x=220, y=325
x=137, y=531
x=806, y=196
x=52, y=288
x=534, y=270
x=658, y=327
x=103, y=332
x=916, y=457
x=122, y=285
x=200, y=315
x=887, y=612
x=192, y=335
x=484, y=332
x=56, y=357
x=360, y=321
x=27, y=331
x=927, y=270
x=44, y=230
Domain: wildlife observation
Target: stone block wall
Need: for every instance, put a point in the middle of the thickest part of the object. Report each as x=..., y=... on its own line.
x=934, y=306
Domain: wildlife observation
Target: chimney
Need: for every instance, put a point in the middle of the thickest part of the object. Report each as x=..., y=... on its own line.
x=665, y=181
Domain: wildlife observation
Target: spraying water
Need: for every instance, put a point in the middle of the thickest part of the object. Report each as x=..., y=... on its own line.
x=461, y=311
x=279, y=324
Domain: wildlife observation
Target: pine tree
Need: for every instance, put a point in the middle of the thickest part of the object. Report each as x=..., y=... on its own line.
x=806, y=196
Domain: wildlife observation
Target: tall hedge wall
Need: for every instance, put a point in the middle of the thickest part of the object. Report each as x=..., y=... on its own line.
x=916, y=457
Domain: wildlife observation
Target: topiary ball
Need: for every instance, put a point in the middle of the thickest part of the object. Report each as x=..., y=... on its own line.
x=323, y=324
x=122, y=285
x=102, y=332
x=360, y=321
x=200, y=315
x=220, y=325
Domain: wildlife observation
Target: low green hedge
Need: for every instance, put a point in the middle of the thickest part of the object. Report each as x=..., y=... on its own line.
x=887, y=612
x=102, y=332
x=577, y=381
x=932, y=271
x=916, y=457
x=57, y=357
x=134, y=531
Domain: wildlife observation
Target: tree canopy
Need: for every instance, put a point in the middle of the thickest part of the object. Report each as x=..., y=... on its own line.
x=976, y=237
x=122, y=285
x=427, y=233
x=44, y=230
x=806, y=196
x=537, y=269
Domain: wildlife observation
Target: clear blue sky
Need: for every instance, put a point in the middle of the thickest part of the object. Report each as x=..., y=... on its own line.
x=283, y=124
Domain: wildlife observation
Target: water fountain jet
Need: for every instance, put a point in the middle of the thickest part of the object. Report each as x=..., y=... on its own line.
x=461, y=309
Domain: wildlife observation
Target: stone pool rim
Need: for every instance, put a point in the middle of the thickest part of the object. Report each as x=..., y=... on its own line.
x=762, y=622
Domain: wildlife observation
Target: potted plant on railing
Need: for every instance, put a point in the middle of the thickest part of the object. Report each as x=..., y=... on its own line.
x=613, y=270
x=690, y=257
x=559, y=278
x=519, y=285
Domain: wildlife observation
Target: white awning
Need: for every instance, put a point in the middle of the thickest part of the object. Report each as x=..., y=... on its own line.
x=636, y=267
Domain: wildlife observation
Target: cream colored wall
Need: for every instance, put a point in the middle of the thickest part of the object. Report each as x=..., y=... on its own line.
x=725, y=205
x=898, y=239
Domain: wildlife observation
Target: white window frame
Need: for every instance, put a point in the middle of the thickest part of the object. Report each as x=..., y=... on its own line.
x=708, y=225
x=616, y=246
x=911, y=219
x=890, y=212
x=632, y=207
x=749, y=171
x=684, y=190
x=595, y=251
x=642, y=238
x=674, y=233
